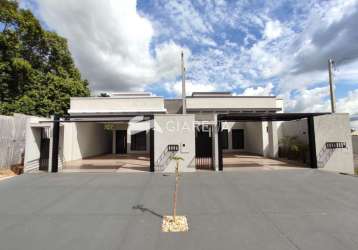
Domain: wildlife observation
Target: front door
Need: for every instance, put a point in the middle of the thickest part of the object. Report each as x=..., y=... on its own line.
x=203, y=147
x=121, y=141
x=44, y=149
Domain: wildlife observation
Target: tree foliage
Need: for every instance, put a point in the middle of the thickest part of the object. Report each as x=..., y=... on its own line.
x=37, y=73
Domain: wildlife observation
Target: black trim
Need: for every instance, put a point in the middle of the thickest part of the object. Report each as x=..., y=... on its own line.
x=266, y=116
x=55, y=143
x=229, y=96
x=220, y=148
x=151, y=150
x=312, y=142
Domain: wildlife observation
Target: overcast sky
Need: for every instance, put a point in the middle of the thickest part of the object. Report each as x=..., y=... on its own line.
x=266, y=47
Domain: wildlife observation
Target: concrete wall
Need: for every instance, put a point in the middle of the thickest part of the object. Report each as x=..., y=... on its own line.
x=32, y=149
x=234, y=102
x=334, y=128
x=84, y=139
x=296, y=128
x=230, y=126
x=33, y=142
x=254, y=138
x=116, y=104
x=174, y=129
x=259, y=137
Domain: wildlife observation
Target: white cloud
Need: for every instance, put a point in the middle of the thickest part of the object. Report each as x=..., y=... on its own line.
x=273, y=29
x=190, y=87
x=349, y=103
x=258, y=91
x=236, y=44
x=111, y=43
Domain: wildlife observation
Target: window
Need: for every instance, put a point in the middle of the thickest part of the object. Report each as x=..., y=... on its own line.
x=139, y=141
x=225, y=136
x=238, y=139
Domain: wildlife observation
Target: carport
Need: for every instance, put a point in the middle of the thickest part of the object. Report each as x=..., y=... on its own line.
x=269, y=117
x=130, y=162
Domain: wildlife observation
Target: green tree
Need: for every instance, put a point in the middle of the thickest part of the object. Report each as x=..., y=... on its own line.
x=37, y=73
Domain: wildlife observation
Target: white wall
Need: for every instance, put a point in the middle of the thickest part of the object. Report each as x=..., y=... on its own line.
x=116, y=104
x=334, y=128
x=32, y=149
x=234, y=102
x=33, y=143
x=174, y=129
x=85, y=139
x=297, y=128
x=254, y=138
x=259, y=137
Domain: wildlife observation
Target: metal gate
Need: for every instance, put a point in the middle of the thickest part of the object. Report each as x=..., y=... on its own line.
x=44, y=149
x=203, y=147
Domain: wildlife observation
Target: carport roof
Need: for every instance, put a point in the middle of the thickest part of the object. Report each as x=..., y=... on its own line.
x=266, y=116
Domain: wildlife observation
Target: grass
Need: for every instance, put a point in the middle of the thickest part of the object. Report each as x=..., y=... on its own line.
x=356, y=171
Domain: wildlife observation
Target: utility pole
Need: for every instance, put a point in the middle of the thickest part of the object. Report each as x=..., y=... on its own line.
x=331, y=86
x=183, y=92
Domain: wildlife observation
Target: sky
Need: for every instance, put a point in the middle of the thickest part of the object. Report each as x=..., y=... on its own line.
x=248, y=47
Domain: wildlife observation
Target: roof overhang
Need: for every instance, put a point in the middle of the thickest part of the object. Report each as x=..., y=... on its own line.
x=250, y=110
x=116, y=112
x=107, y=118
x=266, y=116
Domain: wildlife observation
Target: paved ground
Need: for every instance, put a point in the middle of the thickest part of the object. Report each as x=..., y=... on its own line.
x=110, y=163
x=235, y=161
x=279, y=209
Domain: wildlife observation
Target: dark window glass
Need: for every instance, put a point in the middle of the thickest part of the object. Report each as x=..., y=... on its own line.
x=139, y=141
x=225, y=137
x=238, y=139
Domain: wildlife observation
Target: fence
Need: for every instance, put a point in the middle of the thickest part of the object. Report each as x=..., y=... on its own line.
x=12, y=139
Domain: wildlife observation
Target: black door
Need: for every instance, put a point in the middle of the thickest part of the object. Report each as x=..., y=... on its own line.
x=121, y=141
x=203, y=148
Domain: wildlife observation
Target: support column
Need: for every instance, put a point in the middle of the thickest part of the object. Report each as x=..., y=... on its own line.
x=220, y=148
x=113, y=141
x=312, y=142
x=215, y=147
x=151, y=150
x=273, y=139
x=55, y=143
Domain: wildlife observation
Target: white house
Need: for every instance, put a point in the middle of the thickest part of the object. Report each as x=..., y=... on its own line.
x=214, y=124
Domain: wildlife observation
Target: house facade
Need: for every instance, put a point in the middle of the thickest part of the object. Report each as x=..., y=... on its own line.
x=214, y=124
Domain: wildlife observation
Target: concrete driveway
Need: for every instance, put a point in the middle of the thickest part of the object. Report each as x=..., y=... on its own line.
x=282, y=209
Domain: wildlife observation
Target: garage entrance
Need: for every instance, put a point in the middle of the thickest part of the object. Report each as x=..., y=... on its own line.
x=253, y=133
x=103, y=144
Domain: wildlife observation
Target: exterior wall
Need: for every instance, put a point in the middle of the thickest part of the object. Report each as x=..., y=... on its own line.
x=32, y=149
x=132, y=128
x=82, y=139
x=272, y=140
x=33, y=144
x=334, y=128
x=230, y=126
x=234, y=102
x=296, y=128
x=174, y=129
x=259, y=137
x=116, y=104
x=135, y=128
x=254, y=138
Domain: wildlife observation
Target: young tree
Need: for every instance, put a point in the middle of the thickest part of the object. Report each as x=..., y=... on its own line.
x=177, y=160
